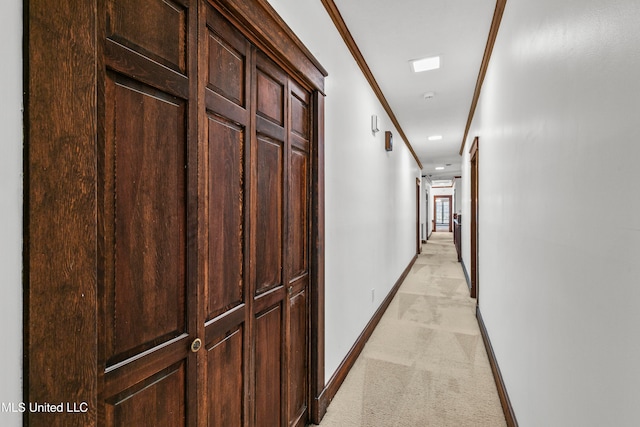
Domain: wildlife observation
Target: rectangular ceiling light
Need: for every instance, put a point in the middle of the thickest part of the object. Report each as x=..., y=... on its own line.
x=425, y=64
x=435, y=138
x=440, y=168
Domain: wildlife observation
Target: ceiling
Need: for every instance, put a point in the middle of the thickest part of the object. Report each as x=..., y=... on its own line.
x=392, y=33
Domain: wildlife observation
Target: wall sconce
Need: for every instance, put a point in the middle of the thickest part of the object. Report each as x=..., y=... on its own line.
x=374, y=124
x=388, y=141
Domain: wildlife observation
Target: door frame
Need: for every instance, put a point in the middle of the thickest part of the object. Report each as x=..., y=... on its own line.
x=473, y=160
x=450, y=198
x=60, y=232
x=418, y=237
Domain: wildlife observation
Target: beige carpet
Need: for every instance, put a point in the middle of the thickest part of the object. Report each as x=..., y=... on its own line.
x=425, y=364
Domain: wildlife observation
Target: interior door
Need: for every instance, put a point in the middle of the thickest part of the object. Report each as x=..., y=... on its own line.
x=227, y=326
x=473, y=153
x=206, y=225
x=281, y=249
x=173, y=189
x=146, y=278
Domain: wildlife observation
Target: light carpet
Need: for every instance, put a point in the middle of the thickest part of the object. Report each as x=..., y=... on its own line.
x=425, y=364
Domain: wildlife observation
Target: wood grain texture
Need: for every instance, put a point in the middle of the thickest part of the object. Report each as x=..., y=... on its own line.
x=225, y=287
x=297, y=369
x=146, y=298
x=318, y=404
x=145, y=143
x=269, y=220
x=225, y=381
x=145, y=157
x=272, y=35
x=158, y=30
x=267, y=349
x=158, y=400
x=60, y=204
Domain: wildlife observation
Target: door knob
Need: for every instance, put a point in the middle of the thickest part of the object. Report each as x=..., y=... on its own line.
x=196, y=344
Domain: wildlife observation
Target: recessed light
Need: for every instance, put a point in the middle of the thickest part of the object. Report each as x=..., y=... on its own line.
x=425, y=64
x=440, y=168
x=435, y=138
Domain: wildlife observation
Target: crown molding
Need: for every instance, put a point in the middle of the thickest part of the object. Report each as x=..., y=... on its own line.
x=341, y=26
x=493, y=33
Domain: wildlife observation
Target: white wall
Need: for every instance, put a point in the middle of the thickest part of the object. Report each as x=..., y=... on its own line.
x=457, y=192
x=11, y=208
x=370, y=193
x=558, y=127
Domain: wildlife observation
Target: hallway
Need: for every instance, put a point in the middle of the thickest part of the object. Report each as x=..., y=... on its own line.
x=425, y=364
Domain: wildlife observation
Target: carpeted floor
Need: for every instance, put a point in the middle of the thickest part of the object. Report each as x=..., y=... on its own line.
x=425, y=364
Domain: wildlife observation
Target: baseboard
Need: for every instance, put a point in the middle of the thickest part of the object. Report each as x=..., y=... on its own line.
x=509, y=415
x=338, y=377
x=466, y=274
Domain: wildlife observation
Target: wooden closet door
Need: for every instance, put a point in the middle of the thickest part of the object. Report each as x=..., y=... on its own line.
x=297, y=269
x=167, y=242
x=227, y=74
x=280, y=251
x=268, y=215
x=204, y=221
x=146, y=276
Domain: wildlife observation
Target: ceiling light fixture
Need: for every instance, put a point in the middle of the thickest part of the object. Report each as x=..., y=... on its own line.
x=440, y=168
x=435, y=138
x=425, y=64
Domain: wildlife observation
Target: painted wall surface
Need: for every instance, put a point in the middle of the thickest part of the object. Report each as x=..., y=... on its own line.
x=370, y=193
x=11, y=209
x=558, y=125
x=457, y=195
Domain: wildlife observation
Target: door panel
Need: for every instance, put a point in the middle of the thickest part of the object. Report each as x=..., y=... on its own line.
x=227, y=59
x=226, y=380
x=248, y=239
x=298, y=359
x=146, y=294
x=298, y=256
x=158, y=30
x=268, y=367
x=268, y=230
x=180, y=156
x=157, y=401
x=270, y=94
x=225, y=288
x=298, y=215
x=227, y=82
x=143, y=218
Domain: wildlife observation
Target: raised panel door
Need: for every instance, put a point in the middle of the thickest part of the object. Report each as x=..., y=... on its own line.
x=227, y=79
x=298, y=274
x=204, y=225
x=145, y=284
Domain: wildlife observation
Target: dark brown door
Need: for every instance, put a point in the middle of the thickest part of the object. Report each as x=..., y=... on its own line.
x=474, y=219
x=174, y=215
x=205, y=224
x=147, y=275
x=418, y=239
